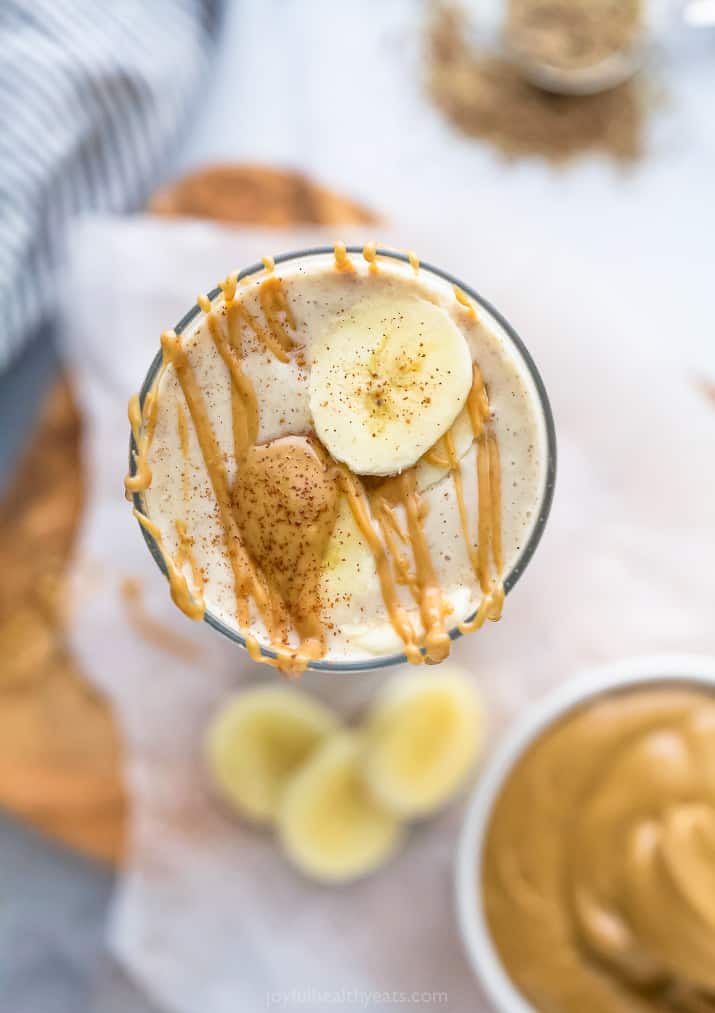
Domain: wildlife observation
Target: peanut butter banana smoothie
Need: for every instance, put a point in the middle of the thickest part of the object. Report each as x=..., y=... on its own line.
x=342, y=457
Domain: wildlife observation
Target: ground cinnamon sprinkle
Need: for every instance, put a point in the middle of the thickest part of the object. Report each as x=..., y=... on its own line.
x=486, y=97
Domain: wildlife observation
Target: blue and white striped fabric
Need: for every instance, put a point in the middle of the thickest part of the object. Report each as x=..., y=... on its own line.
x=92, y=97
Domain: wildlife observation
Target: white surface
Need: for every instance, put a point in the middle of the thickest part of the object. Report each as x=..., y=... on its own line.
x=607, y=274
x=468, y=886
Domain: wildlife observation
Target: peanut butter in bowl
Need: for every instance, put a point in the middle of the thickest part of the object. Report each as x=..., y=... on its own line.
x=342, y=459
x=589, y=850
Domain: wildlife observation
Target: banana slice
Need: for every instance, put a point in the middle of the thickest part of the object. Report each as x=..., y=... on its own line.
x=348, y=568
x=387, y=382
x=329, y=824
x=423, y=735
x=380, y=640
x=258, y=740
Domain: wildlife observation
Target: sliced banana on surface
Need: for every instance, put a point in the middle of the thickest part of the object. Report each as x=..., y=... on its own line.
x=387, y=382
x=422, y=737
x=329, y=824
x=258, y=740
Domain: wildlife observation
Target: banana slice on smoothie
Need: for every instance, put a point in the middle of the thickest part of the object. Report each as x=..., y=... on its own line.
x=258, y=740
x=423, y=735
x=348, y=570
x=387, y=381
x=329, y=825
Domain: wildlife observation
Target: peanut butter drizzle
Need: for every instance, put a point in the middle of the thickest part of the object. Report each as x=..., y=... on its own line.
x=143, y=425
x=484, y=523
x=369, y=255
x=353, y=489
x=433, y=457
x=495, y=486
x=288, y=661
x=465, y=301
x=481, y=615
x=478, y=402
x=391, y=521
x=489, y=542
x=342, y=260
x=228, y=287
x=489, y=494
x=184, y=444
x=278, y=314
x=391, y=533
x=244, y=408
x=237, y=314
x=141, y=479
x=433, y=607
x=185, y=553
x=190, y=602
x=248, y=581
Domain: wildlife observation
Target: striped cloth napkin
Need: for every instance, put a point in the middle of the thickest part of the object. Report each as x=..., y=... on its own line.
x=93, y=97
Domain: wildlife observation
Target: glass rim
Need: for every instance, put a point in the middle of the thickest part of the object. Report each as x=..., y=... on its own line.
x=511, y=579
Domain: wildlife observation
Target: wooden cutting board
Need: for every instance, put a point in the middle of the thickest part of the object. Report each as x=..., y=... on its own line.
x=60, y=754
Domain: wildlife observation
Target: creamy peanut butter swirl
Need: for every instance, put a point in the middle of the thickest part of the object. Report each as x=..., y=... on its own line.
x=599, y=871
x=278, y=513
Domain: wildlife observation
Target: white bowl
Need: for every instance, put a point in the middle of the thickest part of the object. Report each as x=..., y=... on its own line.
x=475, y=934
